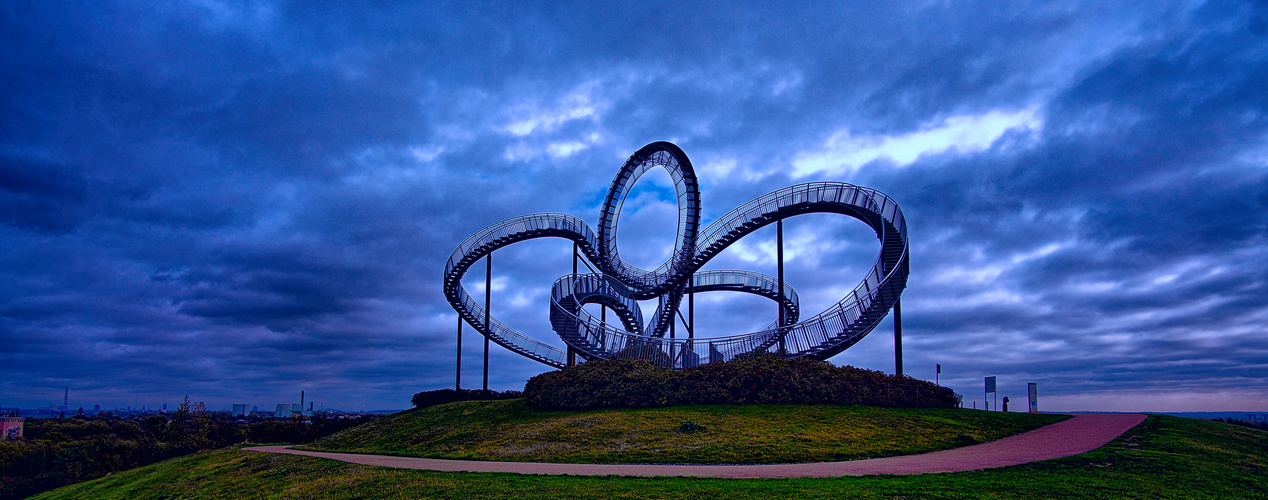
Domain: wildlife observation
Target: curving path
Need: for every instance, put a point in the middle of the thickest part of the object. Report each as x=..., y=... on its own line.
x=1085, y=432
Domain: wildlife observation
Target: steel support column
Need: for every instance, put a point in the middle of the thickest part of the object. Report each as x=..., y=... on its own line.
x=673, y=319
x=898, y=337
x=457, y=382
x=488, y=292
x=572, y=353
x=779, y=257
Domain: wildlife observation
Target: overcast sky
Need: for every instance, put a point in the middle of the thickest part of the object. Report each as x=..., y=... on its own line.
x=240, y=200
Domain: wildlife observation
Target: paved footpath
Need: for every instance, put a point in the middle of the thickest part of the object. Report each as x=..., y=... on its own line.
x=1085, y=432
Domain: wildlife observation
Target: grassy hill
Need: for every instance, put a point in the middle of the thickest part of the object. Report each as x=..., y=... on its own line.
x=1164, y=457
x=513, y=431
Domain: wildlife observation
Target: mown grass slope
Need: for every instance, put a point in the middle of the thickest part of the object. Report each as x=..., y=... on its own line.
x=513, y=431
x=1165, y=457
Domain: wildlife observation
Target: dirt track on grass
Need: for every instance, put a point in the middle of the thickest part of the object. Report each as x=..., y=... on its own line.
x=1085, y=432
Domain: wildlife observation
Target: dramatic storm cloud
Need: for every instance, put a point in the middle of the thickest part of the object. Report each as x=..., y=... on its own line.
x=239, y=200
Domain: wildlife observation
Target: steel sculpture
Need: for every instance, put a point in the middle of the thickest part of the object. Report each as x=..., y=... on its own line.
x=618, y=286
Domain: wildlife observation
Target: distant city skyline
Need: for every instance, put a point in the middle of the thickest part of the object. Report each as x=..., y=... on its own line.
x=237, y=201
x=167, y=406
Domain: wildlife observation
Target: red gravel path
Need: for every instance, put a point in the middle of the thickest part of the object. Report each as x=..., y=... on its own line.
x=1085, y=432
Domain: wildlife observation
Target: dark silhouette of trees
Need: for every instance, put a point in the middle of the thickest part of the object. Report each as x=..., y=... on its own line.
x=442, y=396
x=59, y=451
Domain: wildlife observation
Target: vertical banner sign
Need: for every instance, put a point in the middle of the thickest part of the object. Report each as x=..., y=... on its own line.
x=1032, y=390
x=990, y=386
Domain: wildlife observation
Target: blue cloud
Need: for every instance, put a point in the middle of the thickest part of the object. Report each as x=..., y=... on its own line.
x=239, y=200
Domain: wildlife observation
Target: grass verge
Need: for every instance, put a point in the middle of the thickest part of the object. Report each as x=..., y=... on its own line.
x=723, y=434
x=1165, y=457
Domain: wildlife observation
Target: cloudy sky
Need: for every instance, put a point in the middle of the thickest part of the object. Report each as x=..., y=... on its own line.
x=239, y=200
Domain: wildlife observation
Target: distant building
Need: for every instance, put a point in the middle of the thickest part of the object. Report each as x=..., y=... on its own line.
x=285, y=410
x=11, y=426
x=239, y=410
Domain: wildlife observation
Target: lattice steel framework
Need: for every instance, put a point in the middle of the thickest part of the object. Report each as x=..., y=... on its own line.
x=618, y=285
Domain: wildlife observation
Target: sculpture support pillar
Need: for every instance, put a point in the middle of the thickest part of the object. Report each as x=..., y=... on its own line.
x=898, y=337
x=457, y=382
x=488, y=292
x=572, y=353
x=779, y=257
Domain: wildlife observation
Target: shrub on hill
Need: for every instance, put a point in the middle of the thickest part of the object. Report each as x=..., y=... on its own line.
x=759, y=379
x=442, y=396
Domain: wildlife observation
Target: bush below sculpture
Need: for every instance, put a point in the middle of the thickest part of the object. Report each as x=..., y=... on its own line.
x=761, y=379
x=442, y=396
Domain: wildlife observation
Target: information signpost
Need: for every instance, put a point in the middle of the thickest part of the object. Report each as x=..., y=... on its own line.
x=1032, y=390
x=990, y=389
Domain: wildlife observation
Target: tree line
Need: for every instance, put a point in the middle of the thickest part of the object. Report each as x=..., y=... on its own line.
x=1261, y=424
x=56, y=452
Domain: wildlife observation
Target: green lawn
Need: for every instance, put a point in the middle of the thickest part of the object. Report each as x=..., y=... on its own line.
x=1165, y=457
x=513, y=431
